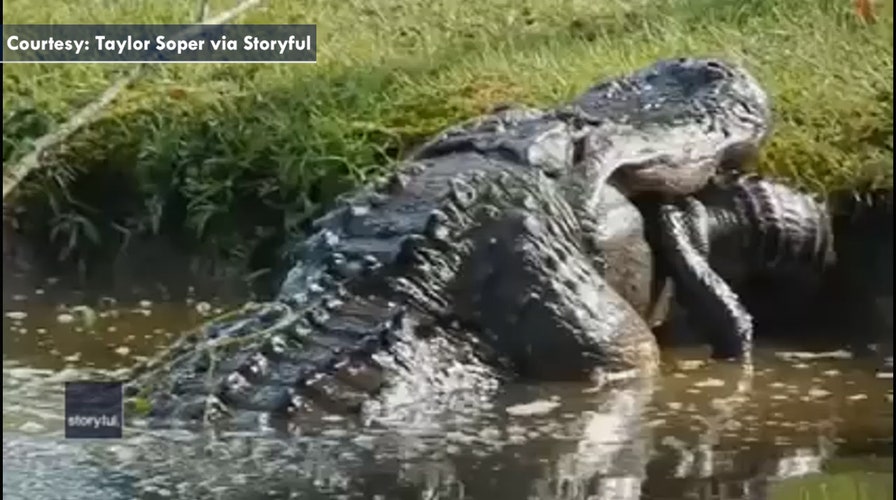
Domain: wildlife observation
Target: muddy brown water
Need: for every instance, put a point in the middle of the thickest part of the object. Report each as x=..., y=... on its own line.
x=802, y=427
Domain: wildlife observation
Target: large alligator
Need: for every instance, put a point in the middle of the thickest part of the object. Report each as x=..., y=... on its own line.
x=509, y=241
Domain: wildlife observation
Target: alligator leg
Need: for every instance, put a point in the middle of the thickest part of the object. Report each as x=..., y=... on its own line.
x=700, y=289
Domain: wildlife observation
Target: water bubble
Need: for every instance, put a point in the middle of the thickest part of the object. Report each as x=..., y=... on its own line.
x=16, y=315
x=816, y=392
x=145, y=304
x=31, y=427
x=65, y=318
x=335, y=433
x=203, y=308
x=86, y=314
x=123, y=351
x=690, y=364
x=710, y=382
x=539, y=407
x=39, y=291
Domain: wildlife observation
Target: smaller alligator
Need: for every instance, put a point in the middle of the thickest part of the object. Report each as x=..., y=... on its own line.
x=749, y=226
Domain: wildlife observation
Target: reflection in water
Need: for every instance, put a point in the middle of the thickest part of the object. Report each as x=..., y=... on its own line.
x=700, y=431
x=632, y=440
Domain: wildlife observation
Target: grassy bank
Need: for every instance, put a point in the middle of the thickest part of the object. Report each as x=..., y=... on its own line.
x=228, y=155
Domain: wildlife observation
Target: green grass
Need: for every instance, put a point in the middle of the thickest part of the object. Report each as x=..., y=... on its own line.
x=229, y=153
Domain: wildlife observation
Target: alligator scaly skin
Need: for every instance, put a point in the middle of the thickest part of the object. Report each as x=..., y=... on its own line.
x=499, y=238
x=712, y=241
x=498, y=254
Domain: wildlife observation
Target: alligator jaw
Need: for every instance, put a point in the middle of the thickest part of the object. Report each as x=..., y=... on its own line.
x=671, y=127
